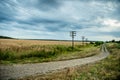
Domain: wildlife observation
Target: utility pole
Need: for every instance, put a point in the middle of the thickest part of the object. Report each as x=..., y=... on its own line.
x=86, y=40
x=83, y=37
x=72, y=34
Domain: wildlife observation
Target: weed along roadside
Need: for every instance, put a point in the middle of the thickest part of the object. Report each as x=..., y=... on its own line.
x=21, y=51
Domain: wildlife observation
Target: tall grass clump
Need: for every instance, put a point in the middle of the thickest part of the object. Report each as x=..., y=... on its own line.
x=39, y=54
x=6, y=55
x=118, y=45
x=54, y=51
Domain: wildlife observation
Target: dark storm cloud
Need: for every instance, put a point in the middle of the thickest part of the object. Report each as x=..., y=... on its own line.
x=7, y=11
x=48, y=4
x=8, y=8
x=43, y=5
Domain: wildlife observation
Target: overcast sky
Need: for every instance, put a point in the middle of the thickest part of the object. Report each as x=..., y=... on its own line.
x=53, y=19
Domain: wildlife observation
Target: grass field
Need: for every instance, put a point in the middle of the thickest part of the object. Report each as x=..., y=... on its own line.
x=32, y=51
x=107, y=69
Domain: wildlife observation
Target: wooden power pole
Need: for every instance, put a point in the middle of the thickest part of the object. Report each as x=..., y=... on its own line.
x=83, y=37
x=72, y=34
x=86, y=40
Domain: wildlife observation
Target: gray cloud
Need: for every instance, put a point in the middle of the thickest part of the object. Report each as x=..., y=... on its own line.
x=6, y=10
x=53, y=16
x=43, y=5
x=48, y=4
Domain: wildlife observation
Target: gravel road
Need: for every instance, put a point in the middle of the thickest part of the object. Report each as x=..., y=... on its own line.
x=21, y=70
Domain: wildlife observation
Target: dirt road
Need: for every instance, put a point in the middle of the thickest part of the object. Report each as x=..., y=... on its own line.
x=22, y=70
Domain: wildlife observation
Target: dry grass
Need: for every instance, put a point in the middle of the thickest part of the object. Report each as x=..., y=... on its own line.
x=31, y=51
x=13, y=42
x=28, y=44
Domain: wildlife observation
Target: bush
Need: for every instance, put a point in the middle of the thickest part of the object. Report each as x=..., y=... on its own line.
x=91, y=42
x=113, y=41
x=61, y=48
x=118, y=45
x=97, y=43
x=6, y=55
x=118, y=41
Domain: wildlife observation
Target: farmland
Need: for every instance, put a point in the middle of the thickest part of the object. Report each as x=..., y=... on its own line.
x=33, y=51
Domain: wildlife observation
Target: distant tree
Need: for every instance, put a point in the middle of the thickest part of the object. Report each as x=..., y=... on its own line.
x=106, y=41
x=97, y=43
x=118, y=41
x=5, y=37
x=91, y=42
x=113, y=40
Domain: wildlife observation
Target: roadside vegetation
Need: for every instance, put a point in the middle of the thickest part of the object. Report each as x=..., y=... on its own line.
x=107, y=69
x=17, y=52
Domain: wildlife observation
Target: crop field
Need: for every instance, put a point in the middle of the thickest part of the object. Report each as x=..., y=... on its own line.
x=20, y=43
x=31, y=51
